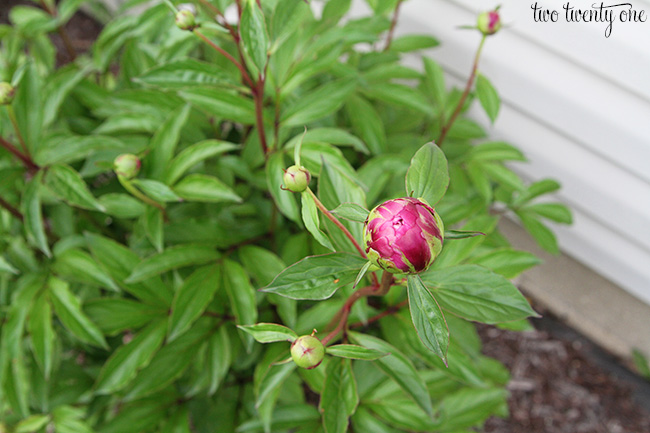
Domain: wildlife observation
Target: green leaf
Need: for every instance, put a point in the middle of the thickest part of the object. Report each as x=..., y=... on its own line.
x=542, y=234
x=353, y=351
x=114, y=315
x=253, y=33
x=553, y=211
x=352, y=212
x=269, y=332
x=119, y=262
x=42, y=334
x=172, y=258
x=68, y=185
x=241, y=295
x=541, y=187
x=156, y=190
x=219, y=358
x=69, y=419
x=503, y=175
x=367, y=123
x=122, y=205
x=163, y=143
x=317, y=277
x=363, y=420
x=322, y=102
x=488, y=97
x=454, y=253
x=461, y=234
x=285, y=200
x=402, y=96
x=428, y=175
x=222, y=103
x=5, y=266
x=496, y=151
x=192, y=298
x=434, y=81
x=170, y=362
x=507, y=262
x=64, y=148
x=77, y=265
x=186, y=73
x=399, y=368
x=200, y=187
x=33, y=215
x=152, y=221
x=123, y=365
x=28, y=106
x=428, y=319
x=479, y=294
x=408, y=43
x=335, y=136
x=32, y=424
x=193, y=155
x=68, y=309
x=339, y=398
x=311, y=219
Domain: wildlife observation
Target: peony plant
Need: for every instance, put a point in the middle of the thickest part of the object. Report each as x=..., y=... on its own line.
x=185, y=240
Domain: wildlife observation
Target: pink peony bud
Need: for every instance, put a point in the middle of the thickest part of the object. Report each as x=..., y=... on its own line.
x=403, y=235
x=489, y=23
x=307, y=352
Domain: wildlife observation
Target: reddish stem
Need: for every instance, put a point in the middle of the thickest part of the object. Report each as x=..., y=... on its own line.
x=341, y=318
x=27, y=161
x=226, y=54
x=463, y=97
x=12, y=210
x=391, y=310
x=258, y=95
x=393, y=24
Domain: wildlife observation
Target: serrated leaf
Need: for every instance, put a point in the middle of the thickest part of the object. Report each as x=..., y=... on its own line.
x=399, y=368
x=204, y=188
x=241, y=295
x=192, y=298
x=269, y=332
x=311, y=219
x=68, y=309
x=316, y=277
x=68, y=185
x=428, y=175
x=488, y=97
x=476, y=293
x=127, y=360
x=172, y=258
x=428, y=319
x=352, y=351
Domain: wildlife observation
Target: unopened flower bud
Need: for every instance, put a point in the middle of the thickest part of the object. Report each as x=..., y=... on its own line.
x=296, y=178
x=185, y=19
x=6, y=93
x=489, y=23
x=307, y=352
x=127, y=165
x=403, y=235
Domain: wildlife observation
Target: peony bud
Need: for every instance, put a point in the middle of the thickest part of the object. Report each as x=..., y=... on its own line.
x=6, y=93
x=403, y=235
x=307, y=352
x=127, y=165
x=185, y=19
x=489, y=23
x=296, y=178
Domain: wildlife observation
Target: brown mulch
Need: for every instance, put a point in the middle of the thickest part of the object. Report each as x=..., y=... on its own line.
x=562, y=383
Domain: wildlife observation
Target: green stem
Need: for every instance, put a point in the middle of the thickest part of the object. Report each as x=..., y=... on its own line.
x=126, y=183
x=461, y=102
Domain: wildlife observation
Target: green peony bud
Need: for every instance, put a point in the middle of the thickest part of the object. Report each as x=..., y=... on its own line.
x=296, y=178
x=307, y=352
x=489, y=23
x=6, y=93
x=185, y=20
x=127, y=165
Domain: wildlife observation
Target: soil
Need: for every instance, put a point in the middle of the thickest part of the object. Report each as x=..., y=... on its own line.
x=563, y=383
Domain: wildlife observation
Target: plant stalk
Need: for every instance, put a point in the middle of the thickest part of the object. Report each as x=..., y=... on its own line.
x=140, y=195
x=393, y=24
x=12, y=210
x=26, y=160
x=468, y=88
x=227, y=55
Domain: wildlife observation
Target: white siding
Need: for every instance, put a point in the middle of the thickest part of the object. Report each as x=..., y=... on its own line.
x=578, y=105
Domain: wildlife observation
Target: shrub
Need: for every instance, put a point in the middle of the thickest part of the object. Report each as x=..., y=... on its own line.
x=143, y=207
